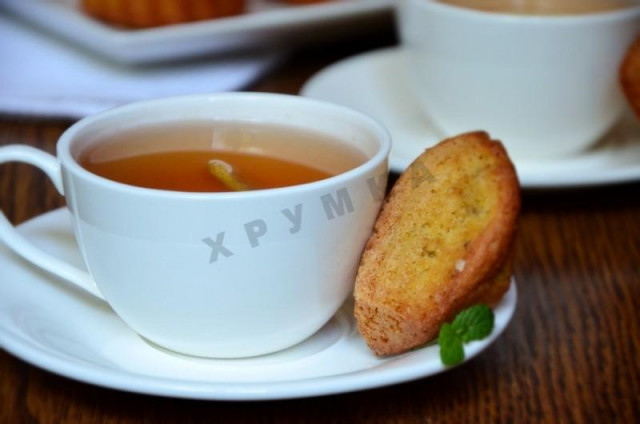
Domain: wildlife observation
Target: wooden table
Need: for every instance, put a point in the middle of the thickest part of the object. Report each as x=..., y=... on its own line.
x=570, y=355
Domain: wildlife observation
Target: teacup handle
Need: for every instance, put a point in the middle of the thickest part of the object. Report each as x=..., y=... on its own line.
x=16, y=241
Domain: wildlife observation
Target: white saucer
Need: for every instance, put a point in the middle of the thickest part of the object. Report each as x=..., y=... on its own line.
x=376, y=83
x=48, y=323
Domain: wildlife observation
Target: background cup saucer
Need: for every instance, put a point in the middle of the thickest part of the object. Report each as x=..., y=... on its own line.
x=376, y=83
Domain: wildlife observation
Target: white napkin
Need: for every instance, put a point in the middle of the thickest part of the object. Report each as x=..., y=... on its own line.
x=42, y=75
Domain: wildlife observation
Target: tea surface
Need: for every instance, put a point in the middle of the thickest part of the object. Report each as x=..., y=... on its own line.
x=543, y=7
x=177, y=157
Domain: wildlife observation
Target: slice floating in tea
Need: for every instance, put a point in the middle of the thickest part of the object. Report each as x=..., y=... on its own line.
x=224, y=173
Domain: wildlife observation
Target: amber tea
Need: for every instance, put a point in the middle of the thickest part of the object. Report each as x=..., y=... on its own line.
x=217, y=157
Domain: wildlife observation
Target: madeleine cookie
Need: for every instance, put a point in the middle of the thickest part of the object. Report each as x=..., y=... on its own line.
x=441, y=243
x=153, y=13
x=630, y=76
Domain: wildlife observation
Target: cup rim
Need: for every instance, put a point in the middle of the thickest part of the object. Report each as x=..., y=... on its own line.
x=67, y=161
x=514, y=18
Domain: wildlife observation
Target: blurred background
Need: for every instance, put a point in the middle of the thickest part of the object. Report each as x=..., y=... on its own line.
x=70, y=58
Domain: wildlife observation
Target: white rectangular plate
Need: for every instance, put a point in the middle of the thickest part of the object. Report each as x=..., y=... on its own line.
x=266, y=23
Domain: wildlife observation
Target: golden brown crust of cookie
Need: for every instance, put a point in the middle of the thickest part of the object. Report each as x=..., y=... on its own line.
x=153, y=13
x=630, y=76
x=441, y=243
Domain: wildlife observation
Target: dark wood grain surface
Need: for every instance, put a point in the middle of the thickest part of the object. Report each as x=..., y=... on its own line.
x=570, y=355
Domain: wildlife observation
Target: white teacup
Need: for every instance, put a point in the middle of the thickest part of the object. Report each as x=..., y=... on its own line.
x=217, y=274
x=544, y=85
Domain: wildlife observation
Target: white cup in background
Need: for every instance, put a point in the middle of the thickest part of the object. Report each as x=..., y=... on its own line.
x=544, y=85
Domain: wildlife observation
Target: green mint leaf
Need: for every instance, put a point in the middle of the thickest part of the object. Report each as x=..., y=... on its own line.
x=474, y=323
x=451, y=350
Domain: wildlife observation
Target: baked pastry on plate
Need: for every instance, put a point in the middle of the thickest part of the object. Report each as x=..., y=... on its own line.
x=443, y=242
